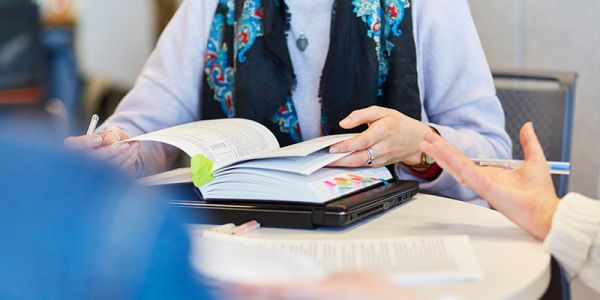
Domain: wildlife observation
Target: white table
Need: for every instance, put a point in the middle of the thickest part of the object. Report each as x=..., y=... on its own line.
x=515, y=265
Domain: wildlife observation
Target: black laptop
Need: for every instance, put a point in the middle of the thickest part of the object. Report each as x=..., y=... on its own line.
x=338, y=212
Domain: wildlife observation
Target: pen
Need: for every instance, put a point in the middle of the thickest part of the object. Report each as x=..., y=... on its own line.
x=246, y=228
x=559, y=168
x=93, y=124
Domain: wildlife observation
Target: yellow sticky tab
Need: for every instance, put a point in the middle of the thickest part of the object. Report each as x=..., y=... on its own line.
x=201, y=170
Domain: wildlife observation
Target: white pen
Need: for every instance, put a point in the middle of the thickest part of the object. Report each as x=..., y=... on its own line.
x=559, y=168
x=93, y=124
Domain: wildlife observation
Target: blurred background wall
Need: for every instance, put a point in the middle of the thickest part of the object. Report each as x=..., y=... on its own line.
x=115, y=38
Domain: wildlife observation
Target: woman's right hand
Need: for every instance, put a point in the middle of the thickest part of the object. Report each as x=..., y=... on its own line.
x=525, y=195
x=105, y=146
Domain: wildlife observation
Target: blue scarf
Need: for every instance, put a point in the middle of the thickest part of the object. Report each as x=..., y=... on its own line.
x=248, y=71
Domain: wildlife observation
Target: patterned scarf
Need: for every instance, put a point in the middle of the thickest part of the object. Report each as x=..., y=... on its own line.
x=248, y=71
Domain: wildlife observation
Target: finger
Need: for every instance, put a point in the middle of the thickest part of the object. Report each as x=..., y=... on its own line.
x=380, y=155
x=448, y=157
x=123, y=158
x=112, y=135
x=354, y=160
x=442, y=160
x=368, y=138
x=363, y=116
x=456, y=163
x=83, y=142
x=109, y=152
x=129, y=164
x=531, y=145
x=122, y=135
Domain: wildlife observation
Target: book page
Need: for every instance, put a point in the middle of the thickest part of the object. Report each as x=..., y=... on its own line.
x=223, y=141
x=307, y=147
x=181, y=175
x=406, y=260
x=270, y=185
x=303, y=165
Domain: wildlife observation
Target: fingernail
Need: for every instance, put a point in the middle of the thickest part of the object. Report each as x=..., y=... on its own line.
x=334, y=150
x=109, y=140
x=345, y=122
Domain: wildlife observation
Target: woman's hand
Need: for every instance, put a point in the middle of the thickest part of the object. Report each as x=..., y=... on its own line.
x=391, y=136
x=525, y=195
x=105, y=146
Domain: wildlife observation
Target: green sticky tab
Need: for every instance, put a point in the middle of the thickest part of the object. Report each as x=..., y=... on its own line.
x=201, y=170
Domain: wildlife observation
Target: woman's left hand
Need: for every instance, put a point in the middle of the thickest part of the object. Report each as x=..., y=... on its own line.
x=392, y=137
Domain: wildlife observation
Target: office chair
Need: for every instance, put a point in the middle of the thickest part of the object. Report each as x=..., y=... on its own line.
x=21, y=53
x=547, y=99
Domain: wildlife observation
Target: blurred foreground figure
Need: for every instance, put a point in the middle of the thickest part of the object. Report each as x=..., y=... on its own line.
x=71, y=229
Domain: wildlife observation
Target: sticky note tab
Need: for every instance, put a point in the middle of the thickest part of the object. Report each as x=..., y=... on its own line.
x=201, y=170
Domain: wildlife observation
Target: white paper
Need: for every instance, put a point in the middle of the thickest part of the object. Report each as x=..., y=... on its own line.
x=230, y=141
x=304, y=165
x=181, y=175
x=222, y=261
x=406, y=260
x=307, y=147
x=319, y=187
x=222, y=141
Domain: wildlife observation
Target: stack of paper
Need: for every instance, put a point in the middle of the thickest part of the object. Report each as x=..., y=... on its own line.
x=405, y=260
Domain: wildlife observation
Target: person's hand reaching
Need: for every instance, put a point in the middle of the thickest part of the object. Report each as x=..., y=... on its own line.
x=525, y=195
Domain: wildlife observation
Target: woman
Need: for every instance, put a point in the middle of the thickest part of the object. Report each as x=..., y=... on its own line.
x=305, y=68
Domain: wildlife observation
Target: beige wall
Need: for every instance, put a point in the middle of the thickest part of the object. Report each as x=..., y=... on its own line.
x=553, y=35
x=114, y=38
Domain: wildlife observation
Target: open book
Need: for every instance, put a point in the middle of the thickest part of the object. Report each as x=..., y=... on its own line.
x=248, y=163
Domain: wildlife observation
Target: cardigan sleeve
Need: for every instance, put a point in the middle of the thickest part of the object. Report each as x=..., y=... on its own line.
x=168, y=89
x=574, y=238
x=457, y=90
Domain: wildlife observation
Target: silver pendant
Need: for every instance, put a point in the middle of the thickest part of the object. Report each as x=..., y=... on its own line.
x=302, y=42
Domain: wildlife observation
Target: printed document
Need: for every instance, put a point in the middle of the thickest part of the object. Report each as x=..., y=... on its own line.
x=406, y=260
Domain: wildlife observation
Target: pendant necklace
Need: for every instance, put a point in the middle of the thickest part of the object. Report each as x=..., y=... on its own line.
x=302, y=42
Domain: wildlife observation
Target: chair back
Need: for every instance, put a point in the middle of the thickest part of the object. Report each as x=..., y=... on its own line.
x=21, y=54
x=547, y=99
